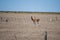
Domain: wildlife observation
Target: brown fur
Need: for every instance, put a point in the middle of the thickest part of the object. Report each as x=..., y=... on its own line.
x=35, y=20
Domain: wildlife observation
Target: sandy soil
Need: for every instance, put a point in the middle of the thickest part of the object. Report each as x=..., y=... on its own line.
x=21, y=27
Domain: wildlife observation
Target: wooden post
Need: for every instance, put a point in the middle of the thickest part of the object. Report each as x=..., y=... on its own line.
x=45, y=35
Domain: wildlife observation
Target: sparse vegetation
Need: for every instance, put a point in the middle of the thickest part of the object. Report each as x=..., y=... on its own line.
x=20, y=26
x=30, y=12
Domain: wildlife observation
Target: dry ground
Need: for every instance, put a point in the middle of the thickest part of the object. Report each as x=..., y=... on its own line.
x=21, y=27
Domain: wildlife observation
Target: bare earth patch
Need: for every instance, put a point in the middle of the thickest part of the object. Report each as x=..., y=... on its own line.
x=21, y=27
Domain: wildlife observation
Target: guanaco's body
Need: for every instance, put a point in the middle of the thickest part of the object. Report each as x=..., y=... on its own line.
x=35, y=20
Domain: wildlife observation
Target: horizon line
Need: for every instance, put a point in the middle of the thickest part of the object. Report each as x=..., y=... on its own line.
x=30, y=11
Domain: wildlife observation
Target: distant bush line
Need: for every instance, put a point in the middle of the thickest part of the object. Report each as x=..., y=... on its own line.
x=30, y=12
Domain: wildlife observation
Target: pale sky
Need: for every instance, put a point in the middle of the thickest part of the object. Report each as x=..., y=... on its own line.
x=30, y=5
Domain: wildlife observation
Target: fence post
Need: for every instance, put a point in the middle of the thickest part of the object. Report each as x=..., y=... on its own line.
x=45, y=35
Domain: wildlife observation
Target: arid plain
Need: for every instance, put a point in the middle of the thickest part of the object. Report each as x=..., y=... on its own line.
x=19, y=26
